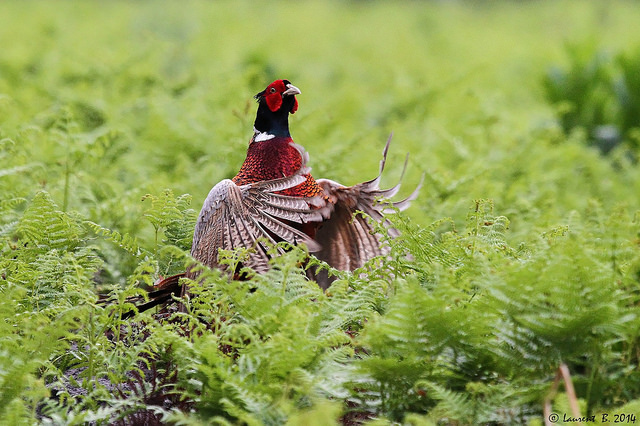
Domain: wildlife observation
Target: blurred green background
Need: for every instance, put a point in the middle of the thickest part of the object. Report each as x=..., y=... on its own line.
x=164, y=89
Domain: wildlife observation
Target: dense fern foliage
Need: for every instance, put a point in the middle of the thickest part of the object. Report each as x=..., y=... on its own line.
x=521, y=254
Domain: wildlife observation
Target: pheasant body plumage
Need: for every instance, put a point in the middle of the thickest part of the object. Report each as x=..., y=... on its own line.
x=268, y=160
x=274, y=197
x=276, y=158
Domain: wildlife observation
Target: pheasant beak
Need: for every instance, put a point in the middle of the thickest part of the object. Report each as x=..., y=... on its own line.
x=291, y=90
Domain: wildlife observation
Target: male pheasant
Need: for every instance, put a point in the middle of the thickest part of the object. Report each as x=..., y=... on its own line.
x=274, y=198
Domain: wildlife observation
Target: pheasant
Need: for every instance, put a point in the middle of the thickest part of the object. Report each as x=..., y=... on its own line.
x=275, y=198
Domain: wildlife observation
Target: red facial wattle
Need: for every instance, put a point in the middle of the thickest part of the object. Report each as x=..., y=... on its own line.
x=273, y=96
x=274, y=100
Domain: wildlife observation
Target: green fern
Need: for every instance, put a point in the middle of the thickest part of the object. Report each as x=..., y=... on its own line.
x=520, y=252
x=50, y=259
x=30, y=340
x=43, y=224
x=171, y=216
x=278, y=334
x=126, y=242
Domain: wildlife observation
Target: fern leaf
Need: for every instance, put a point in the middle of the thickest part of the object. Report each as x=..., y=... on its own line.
x=126, y=242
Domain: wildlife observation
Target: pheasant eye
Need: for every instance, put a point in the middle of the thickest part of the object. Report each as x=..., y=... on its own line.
x=273, y=90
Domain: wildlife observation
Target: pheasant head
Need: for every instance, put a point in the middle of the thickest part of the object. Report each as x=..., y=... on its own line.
x=275, y=103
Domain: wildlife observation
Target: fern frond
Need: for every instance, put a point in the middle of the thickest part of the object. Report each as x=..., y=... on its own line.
x=11, y=203
x=44, y=224
x=456, y=406
x=128, y=243
x=172, y=216
x=347, y=306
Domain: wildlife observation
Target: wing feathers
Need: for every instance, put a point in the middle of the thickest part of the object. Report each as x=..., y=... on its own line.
x=240, y=216
x=348, y=240
x=235, y=216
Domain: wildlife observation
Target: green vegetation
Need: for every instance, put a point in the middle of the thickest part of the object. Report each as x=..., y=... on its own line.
x=524, y=242
x=598, y=94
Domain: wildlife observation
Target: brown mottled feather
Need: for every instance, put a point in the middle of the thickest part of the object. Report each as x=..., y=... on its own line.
x=347, y=238
x=240, y=215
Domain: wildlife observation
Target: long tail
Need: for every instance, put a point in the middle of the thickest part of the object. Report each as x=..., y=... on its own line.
x=163, y=291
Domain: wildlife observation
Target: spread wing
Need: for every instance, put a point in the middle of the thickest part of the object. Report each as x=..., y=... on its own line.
x=347, y=240
x=242, y=215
